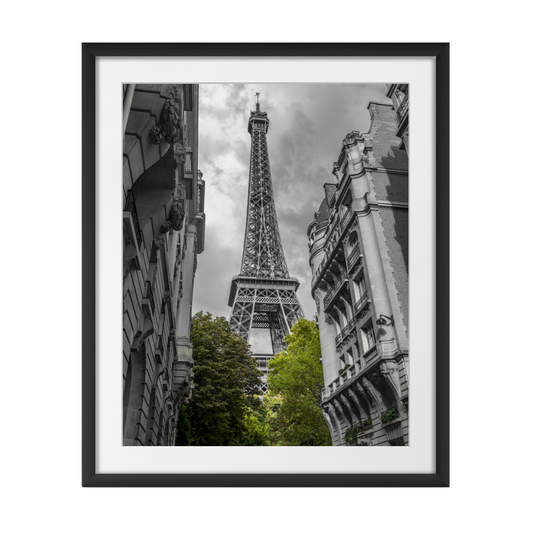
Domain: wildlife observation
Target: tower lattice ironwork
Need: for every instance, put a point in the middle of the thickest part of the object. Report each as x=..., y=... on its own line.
x=263, y=295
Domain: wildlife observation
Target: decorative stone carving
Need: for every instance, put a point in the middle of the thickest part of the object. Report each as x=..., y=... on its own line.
x=172, y=334
x=180, y=154
x=351, y=138
x=130, y=261
x=171, y=119
x=328, y=420
x=405, y=403
x=187, y=393
x=338, y=408
x=337, y=172
x=145, y=328
x=160, y=241
x=390, y=371
x=363, y=393
x=375, y=394
x=363, y=313
x=362, y=410
x=330, y=410
x=349, y=409
x=175, y=218
x=365, y=440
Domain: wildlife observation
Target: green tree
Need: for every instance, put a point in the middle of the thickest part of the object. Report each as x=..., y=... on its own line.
x=256, y=432
x=295, y=381
x=183, y=434
x=224, y=374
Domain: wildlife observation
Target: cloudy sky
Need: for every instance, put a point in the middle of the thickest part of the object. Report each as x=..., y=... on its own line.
x=307, y=125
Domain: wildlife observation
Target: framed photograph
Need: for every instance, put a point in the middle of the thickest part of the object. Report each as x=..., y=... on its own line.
x=265, y=264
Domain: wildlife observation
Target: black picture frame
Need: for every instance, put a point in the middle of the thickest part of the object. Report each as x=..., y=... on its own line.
x=91, y=51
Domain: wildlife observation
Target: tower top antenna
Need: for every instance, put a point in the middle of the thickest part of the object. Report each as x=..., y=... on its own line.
x=257, y=101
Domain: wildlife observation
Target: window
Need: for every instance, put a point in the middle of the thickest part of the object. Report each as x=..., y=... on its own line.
x=367, y=337
x=359, y=288
x=349, y=358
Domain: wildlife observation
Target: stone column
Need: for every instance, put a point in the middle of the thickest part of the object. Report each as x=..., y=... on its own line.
x=325, y=323
x=327, y=341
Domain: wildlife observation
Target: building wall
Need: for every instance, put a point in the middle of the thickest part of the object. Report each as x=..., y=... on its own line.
x=399, y=94
x=358, y=255
x=163, y=224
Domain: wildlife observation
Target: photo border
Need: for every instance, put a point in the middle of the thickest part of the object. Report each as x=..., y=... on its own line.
x=90, y=51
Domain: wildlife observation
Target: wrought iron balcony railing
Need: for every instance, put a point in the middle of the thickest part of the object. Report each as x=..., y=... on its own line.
x=338, y=339
x=361, y=303
x=345, y=218
x=354, y=255
x=331, y=293
x=130, y=207
x=345, y=331
x=334, y=237
x=403, y=108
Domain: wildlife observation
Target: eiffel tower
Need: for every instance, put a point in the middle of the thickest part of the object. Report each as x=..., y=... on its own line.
x=263, y=295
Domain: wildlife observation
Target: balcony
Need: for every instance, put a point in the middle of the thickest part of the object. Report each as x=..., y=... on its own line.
x=361, y=304
x=355, y=254
x=338, y=339
x=331, y=293
x=403, y=109
x=333, y=237
x=347, y=374
x=370, y=354
x=346, y=330
x=346, y=219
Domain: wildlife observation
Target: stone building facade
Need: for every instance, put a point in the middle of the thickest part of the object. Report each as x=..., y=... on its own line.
x=399, y=94
x=163, y=231
x=358, y=255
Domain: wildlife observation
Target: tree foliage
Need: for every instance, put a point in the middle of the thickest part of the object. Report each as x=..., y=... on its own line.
x=219, y=410
x=295, y=381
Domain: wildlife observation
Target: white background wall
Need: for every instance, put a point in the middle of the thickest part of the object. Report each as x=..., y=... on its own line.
x=491, y=315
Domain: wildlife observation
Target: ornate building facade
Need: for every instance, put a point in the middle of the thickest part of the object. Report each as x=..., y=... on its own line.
x=399, y=94
x=358, y=255
x=163, y=231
